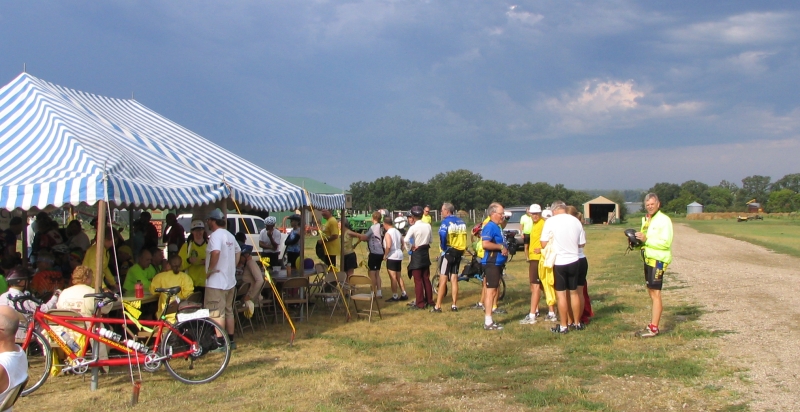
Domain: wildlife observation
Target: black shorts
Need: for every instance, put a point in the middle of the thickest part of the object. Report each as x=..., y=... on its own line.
x=583, y=270
x=566, y=276
x=533, y=272
x=450, y=262
x=526, y=239
x=394, y=265
x=374, y=261
x=653, y=277
x=329, y=260
x=292, y=259
x=493, y=273
x=350, y=261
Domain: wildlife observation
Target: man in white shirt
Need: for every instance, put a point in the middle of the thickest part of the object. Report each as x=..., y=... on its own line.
x=13, y=360
x=222, y=255
x=269, y=239
x=418, y=241
x=567, y=239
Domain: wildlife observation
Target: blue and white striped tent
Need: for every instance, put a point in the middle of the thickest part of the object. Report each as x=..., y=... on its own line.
x=61, y=146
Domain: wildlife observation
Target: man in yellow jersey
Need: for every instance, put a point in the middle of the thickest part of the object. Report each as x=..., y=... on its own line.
x=330, y=237
x=426, y=214
x=453, y=241
x=656, y=234
x=533, y=253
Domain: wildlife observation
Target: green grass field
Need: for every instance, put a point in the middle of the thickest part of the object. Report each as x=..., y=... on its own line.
x=414, y=360
x=780, y=235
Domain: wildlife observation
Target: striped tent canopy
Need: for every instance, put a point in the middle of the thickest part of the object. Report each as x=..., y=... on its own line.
x=61, y=146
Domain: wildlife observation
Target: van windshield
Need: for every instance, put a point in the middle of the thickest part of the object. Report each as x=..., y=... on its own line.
x=516, y=215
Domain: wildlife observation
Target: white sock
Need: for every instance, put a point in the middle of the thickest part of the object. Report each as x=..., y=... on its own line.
x=551, y=313
x=563, y=328
x=394, y=295
x=404, y=293
x=488, y=320
x=533, y=315
x=380, y=295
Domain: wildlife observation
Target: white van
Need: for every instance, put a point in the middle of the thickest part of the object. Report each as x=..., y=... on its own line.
x=249, y=224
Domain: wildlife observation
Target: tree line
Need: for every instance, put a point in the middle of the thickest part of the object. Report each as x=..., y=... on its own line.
x=464, y=189
x=782, y=195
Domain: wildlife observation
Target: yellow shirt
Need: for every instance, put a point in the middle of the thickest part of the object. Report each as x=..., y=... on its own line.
x=168, y=280
x=426, y=219
x=331, y=228
x=196, y=272
x=90, y=261
x=536, y=241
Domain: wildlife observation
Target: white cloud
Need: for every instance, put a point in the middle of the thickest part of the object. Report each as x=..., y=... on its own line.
x=629, y=169
x=515, y=15
x=742, y=29
x=750, y=62
x=602, y=105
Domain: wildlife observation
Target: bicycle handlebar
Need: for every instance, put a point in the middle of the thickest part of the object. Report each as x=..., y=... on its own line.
x=19, y=300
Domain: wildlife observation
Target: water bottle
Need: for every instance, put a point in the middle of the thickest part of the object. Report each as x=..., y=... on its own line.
x=109, y=334
x=139, y=290
x=137, y=346
x=70, y=342
x=410, y=242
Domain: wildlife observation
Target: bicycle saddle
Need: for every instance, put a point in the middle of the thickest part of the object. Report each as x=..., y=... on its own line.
x=102, y=295
x=170, y=291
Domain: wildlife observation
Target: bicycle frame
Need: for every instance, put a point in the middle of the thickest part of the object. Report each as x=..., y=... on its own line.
x=41, y=319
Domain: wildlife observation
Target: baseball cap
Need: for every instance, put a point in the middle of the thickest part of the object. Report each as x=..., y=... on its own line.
x=547, y=213
x=294, y=217
x=416, y=211
x=535, y=208
x=198, y=224
x=216, y=214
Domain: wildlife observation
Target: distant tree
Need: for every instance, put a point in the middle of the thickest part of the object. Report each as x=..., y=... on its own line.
x=754, y=187
x=720, y=199
x=782, y=201
x=678, y=205
x=697, y=190
x=791, y=182
x=666, y=192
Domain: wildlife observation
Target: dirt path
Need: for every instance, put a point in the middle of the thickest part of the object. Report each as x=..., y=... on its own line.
x=755, y=293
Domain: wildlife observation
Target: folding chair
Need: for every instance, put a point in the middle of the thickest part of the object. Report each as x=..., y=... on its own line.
x=317, y=280
x=333, y=283
x=267, y=302
x=238, y=307
x=358, y=283
x=301, y=298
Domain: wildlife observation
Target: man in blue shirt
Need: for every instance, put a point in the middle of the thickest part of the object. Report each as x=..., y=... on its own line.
x=494, y=258
x=453, y=241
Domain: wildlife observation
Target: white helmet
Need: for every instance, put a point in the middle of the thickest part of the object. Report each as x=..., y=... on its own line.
x=270, y=220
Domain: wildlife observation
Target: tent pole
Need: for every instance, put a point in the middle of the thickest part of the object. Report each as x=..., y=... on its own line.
x=98, y=274
x=25, y=239
x=302, y=268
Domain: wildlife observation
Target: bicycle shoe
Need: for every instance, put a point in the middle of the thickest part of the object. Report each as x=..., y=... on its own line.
x=436, y=310
x=453, y=308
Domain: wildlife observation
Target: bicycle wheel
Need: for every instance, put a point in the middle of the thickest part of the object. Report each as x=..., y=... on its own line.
x=209, y=359
x=501, y=289
x=435, y=283
x=40, y=360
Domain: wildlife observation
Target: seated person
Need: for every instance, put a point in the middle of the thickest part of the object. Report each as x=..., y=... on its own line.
x=46, y=279
x=169, y=279
x=72, y=298
x=158, y=262
x=248, y=271
x=13, y=360
x=17, y=279
x=143, y=271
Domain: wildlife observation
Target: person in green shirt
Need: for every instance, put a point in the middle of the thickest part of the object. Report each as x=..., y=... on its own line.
x=656, y=236
x=143, y=271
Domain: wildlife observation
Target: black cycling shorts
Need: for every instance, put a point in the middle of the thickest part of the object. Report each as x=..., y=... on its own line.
x=493, y=273
x=566, y=276
x=526, y=239
x=394, y=265
x=653, y=277
x=583, y=270
x=374, y=261
x=350, y=261
x=450, y=262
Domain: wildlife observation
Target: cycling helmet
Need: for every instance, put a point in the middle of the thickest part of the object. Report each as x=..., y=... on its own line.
x=632, y=240
x=416, y=211
x=16, y=274
x=270, y=220
x=476, y=230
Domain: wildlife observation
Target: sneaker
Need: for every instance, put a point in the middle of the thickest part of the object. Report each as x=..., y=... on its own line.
x=493, y=326
x=648, y=332
x=498, y=311
x=477, y=306
x=528, y=320
x=571, y=326
x=436, y=310
x=453, y=308
x=415, y=307
x=551, y=318
x=580, y=326
x=412, y=303
x=557, y=329
x=403, y=297
x=233, y=345
x=393, y=299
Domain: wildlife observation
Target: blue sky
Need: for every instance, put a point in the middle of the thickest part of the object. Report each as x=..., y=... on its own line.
x=611, y=94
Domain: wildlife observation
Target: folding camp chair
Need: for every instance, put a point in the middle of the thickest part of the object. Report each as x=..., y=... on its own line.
x=357, y=284
x=239, y=307
x=301, y=297
x=330, y=294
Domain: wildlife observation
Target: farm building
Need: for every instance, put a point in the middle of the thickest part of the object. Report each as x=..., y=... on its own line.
x=694, y=207
x=601, y=210
x=754, y=207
